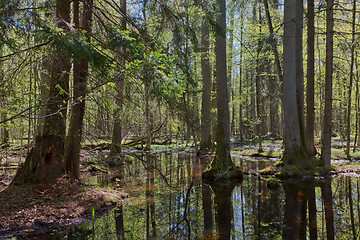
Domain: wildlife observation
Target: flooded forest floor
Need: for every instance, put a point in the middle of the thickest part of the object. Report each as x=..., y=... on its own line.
x=34, y=209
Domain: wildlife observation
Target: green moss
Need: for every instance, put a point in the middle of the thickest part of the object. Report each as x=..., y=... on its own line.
x=213, y=174
x=273, y=184
x=267, y=171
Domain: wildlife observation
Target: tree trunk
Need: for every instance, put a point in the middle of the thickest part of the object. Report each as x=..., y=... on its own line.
x=230, y=65
x=45, y=160
x=274, y=118
x=4, y=132
x=147, y=94
x=252, y=107
x=310, y=109
x=222, y=161
x=240, y=79
x=273, y=43
x=259, y=107
x=119, y=86
x=294, y=149
x=348, y=120
x=80, y=73
x=327, y=128
x=205, y=143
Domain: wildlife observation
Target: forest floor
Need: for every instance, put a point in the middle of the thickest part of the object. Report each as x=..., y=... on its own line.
x=28, y=210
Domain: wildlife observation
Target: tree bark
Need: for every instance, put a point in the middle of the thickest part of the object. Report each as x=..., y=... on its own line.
x=230, y=65
x=222, y=160
x=310, y=109
x=45, y=160
x=119, y=87
x=273, y=43
x=4, y=132
x=80, y=73
x=327, y=128
x=292, y=103
x=205, y=143
x=273, y=99
x=352, y=47
x=259, y=106
x=240, y=78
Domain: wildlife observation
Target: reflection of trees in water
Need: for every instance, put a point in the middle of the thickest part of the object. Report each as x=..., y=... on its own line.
x=207, y=207
x=328, y=205
x=311, y=198
x=300, y=200
x=223, y=204
x=295, y=210
x=181, y=207
x=150, y=201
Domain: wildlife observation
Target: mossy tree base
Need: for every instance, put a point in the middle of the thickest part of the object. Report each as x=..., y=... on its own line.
x=43, y=163
x=231, y=174
x=296, y=156
x=282, y=171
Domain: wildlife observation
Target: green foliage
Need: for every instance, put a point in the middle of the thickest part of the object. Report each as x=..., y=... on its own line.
x=78, y=47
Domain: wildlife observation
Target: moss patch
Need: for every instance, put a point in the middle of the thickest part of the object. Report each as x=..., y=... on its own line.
x=273, y=184
x=234, y=173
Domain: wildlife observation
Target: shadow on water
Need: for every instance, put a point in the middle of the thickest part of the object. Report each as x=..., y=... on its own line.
x=168, y=200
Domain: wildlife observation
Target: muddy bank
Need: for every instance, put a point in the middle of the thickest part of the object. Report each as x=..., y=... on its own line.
x=33, y=209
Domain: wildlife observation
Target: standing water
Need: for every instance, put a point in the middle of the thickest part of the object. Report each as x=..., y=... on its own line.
x=168, y=200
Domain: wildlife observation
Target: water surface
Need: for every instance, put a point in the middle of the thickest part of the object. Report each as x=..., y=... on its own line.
x=168, y=200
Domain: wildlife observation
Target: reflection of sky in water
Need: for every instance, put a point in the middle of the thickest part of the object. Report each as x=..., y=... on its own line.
x=158, y=211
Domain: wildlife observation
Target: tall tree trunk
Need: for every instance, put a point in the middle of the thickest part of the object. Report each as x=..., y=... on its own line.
x=45, y=160
x=222, y=161
x=80, y=73
x=259, y=107
x=348, y=120
x=273, y=43
x=260, y=71
x=230, y=65
x=205, y=142
x=119, y=86
x=4, y=132
x=240, y=78
x=300, y=69
x=252, y=107
x=293, y=139
x=273, y=99
x=148, y=122
x=327, y=128
x=310, y=109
